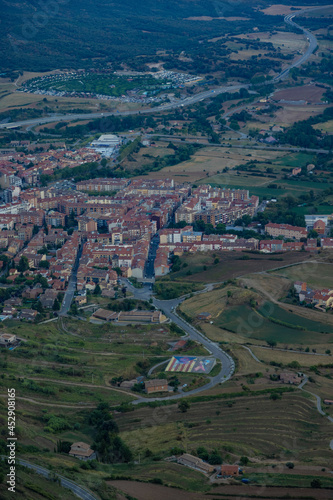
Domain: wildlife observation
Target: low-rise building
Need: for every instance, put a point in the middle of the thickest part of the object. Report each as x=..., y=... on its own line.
x=7, y=340
x=286, y=230
x=140, y=316
x=195, y=463
x=28, y=314
x=82, y=451
x=290, y=378
x=105, y=315
x=229, y=470
x=156, y=385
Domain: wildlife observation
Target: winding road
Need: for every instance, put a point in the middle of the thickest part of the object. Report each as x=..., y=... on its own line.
x=168, y=307
x=192, y=99
x=78, y=490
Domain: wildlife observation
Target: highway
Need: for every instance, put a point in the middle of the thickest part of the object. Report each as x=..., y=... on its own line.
x=189, y=100
x=310, y=37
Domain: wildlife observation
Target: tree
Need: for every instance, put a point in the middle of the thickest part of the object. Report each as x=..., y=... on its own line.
x=39, y=307
x=244, y=460
x=290, y=465
x=183, y=406
x=316, y=483
x=74, y=309
x=44, y=264
x=215, y=458
x=271, y=343
x=23, y=264
x=56, y=305
x=97, y=290
x=313, y=234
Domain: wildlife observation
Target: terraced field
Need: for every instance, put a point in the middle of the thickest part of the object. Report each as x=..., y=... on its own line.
x=290, y=428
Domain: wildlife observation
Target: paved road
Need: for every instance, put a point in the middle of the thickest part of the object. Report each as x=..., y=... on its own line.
x=69, y=294
x=168, y=307
x=79, y=491
x=189, y=100
x=310, y=37
x=91, y=116
x=318, y=399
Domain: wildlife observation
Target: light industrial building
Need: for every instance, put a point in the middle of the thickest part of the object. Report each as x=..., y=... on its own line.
x=106, y=144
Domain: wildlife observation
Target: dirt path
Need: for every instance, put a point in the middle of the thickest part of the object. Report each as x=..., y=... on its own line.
x=88, y=405
x=253, y=355
x=82, y=384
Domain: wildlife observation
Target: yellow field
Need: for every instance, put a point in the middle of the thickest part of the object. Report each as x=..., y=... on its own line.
x=280, y=10
x=325, y=127
x=285, y=357
x=212, y=160
x=289, y=114
x=289, y=43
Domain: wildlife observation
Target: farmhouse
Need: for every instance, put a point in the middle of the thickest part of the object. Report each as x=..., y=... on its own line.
x=195, y=463
x=229, y=470
x=156, y=385
x=82, y=451
x=290, y=378
x=7, y=339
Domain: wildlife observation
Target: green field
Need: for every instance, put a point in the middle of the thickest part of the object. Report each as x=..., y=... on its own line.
x=202, y=267
x=74, y=361
x=315, y=274
x=255, y=324
x=285, y=186
x=311, y=209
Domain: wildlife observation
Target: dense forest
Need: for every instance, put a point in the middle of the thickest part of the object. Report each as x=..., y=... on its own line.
x=39, y=35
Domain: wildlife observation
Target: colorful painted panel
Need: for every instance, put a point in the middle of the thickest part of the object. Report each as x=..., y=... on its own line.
x=190, y=364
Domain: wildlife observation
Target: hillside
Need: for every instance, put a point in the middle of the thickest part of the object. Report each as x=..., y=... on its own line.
x=68, y=34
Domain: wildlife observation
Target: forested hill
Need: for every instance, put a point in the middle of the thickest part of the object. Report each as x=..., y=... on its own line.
x=47, y=34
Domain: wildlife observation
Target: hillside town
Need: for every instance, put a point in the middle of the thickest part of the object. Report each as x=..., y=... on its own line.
x=103, y=228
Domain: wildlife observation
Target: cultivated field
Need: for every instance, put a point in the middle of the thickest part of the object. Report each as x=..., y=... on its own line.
x=254, y=426
x=310, y=93
x=74, y=362
x=315, y=274
x=231, y=265
x=281, y=10
x=326, y=127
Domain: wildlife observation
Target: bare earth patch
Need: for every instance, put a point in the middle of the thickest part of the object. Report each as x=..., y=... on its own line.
x=143, y=491
x=282, y=10
x=208, y=18
x=309, y=93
